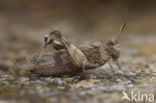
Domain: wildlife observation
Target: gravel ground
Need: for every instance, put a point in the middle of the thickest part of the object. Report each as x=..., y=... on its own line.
x=138, y=75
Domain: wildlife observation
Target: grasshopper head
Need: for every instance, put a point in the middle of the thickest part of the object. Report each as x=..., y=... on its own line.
x=112, y=48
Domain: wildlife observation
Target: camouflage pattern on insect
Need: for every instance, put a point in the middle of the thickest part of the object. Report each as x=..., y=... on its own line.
x=67, y=59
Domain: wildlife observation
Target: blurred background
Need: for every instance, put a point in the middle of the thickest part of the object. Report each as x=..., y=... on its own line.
x=23, y=23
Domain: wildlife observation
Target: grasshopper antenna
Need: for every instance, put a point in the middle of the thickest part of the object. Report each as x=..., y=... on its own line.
x=120, y=31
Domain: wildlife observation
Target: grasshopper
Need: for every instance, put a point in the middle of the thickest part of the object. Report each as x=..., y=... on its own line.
x=68, y=59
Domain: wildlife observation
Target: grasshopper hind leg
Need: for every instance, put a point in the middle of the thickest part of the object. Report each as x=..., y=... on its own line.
x=58, y=47
x=76, y=55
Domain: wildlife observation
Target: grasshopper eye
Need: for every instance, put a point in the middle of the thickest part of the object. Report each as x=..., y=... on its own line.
x=110, y=43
